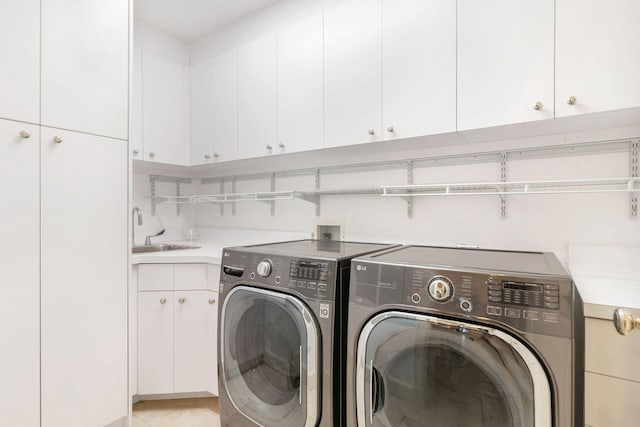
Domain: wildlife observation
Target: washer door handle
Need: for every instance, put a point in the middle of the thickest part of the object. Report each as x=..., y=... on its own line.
x=376, y=385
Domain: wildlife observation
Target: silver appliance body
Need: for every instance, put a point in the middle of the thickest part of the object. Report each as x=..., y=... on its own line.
x=282, y=335
x=464, y=337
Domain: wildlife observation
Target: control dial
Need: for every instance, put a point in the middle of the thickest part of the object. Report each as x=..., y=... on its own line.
x=440, y=289
x=264, y=268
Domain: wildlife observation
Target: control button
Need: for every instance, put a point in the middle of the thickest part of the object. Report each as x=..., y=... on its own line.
x=551, y=317
x=264, y=268
x=494, y=311
x=252, y=275
x=551, y=287
x=495, y=299
x=293, y=284
x=495, y=293
x=551, y=299
x=551, y=305
x=552, y=293
x=302, y=284
x=311, y=285
x=512, y=312
x=416, y=298
x=531, y=315
x=322, y=286
x=440, y=289
x=466, y=305
x=278, y=280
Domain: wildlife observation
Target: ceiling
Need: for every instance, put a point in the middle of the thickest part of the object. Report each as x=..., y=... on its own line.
x=191, y=19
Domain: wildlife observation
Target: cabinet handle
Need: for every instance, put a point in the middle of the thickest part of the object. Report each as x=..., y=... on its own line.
x=571, y=100
x=281, y=145
x=57, y=139
x=163, y=300
x=136, y=151
x=269, y=147
x=538, y=106
x=625, y=322
x=181, y=300
x=390, y=129
x=206, y=156
x=152, y=154
x=216, y=155
x=24, y=134
x=372, y=132
x=211, y=301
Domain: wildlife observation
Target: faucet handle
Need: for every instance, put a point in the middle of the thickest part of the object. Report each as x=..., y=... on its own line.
x=147, y=240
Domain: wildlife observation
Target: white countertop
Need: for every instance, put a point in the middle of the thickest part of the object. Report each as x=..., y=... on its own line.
x=208, y=253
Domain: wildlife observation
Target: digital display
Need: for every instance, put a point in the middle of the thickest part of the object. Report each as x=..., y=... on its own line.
x=303, y=264
x=529, y=287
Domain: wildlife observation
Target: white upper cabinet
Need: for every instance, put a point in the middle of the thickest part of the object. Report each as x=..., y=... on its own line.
x=83, y=279
x=136, y=144
x=202, y=105
x=20, y=60
x=597, y=56
x=85, y=66
x=353, y=73
x=419, y=67
x=165, y=109
x=20, y=267
x=225, y=106
x=300, y=86
x=505, y=62
x=257, y=98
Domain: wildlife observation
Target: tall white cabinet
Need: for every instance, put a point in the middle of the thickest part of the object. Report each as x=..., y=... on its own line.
x=597, y=56
x=20, y=267
x=64, y=251
x=505, y=62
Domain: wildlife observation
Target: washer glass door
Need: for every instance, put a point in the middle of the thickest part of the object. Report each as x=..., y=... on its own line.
x=416, y=370
x=270, y=357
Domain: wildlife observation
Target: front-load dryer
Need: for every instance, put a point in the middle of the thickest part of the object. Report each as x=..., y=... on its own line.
x=464, y=337
x=281, y=340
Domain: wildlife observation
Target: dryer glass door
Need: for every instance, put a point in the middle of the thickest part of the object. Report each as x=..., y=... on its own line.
x=416, y=370
x=270, y=357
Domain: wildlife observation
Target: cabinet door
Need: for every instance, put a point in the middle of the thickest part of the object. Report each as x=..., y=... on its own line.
x=85, y=66
x=257, y=97
x=225, y=106
x=155, y=277
x=20, y=60
x=20, y=267
x=419, y=67
x=164, y=113
x=84, y=262
x=202, y=99
x=597, y=55
x=300, y=86
x=212, y=342
x=192, y=341
x=155, y=342
x=353, y=73
x=505, y=62
x=191, y=277
x=136, y=141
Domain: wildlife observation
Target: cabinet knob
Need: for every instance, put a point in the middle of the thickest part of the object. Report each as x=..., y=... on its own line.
x=136, y=151
x=281, y=145
x=538, y=106
x=372, y=132
x=212, y=301
x=216, y=155
x=206, y=156
x=163, y=300
x=24, y=134
x=390, y=129
x=152, y=154
x=181, y=300
x=269, y=147
x=571, y=100
x=57, y=139
x=624, y=321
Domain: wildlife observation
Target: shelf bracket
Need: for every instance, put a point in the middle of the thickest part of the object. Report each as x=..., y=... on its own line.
x=503, y=178
x=233, y=191
x=159, y=178
x=635, y=146
x=222, y=192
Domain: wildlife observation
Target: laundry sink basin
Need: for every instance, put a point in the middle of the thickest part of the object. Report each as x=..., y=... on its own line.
x=161, y=247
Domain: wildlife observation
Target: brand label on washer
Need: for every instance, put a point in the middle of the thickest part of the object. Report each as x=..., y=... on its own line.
x=324, y=311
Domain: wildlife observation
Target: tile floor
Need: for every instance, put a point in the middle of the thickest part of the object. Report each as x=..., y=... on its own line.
x=177, y=413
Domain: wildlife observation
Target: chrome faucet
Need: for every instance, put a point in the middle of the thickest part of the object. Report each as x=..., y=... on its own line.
x=137, y=211
x=147, y=240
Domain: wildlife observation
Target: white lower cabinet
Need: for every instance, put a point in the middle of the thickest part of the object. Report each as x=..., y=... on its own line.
x=177, y=330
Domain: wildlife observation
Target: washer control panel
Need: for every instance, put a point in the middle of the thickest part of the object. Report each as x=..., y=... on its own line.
x=526, y=294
